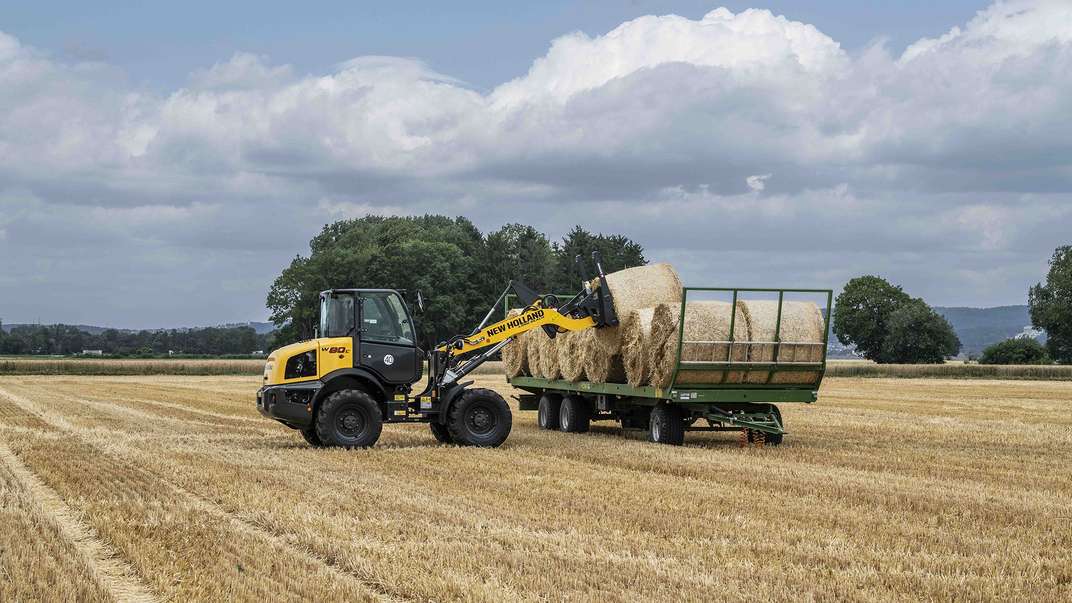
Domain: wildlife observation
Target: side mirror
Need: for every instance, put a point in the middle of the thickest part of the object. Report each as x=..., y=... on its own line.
x=316, y=331
x=420, y=301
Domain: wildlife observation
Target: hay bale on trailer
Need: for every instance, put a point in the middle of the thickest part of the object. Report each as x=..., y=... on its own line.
x=514, y=354
x=636, y=288
x=707, y=326
x=571, y=354
x=636, y=342
x=532, y=351
x=549, y=368
x=602, y=367
x=802, y=323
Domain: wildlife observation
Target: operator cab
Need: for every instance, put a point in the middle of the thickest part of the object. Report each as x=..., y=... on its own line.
x=380, y=325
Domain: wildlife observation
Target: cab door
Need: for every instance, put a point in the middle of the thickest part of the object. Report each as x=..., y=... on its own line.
x=387, y=343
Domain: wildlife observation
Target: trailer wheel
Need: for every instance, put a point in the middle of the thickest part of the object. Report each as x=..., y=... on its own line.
x=309, y=433
x=666, y=425
x=480, y=417
x=574, y=416
x=547, y=413
x=441, y=433
x=349, y=418
x=769, y=439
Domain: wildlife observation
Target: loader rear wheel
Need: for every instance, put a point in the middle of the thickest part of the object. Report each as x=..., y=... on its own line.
x=547, y=413
x=480, y=417
x=666, y=425
x=349, y=418
x=575, y=416
x=441, y=433
x=309, y=433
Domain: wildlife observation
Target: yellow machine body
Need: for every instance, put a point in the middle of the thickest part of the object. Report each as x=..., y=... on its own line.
x=330, y=353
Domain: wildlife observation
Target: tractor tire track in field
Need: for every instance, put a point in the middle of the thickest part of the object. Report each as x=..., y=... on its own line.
x=115, y=576
x=375, y=590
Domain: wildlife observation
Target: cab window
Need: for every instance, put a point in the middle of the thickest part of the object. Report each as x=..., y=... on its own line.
x=337, y=315
x=384, y=319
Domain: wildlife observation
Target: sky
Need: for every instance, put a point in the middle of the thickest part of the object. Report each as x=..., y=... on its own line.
x=161, y=164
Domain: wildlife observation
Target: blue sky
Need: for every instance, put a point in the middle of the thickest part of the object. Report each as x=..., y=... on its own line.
x=165, y=161
x=482, y=43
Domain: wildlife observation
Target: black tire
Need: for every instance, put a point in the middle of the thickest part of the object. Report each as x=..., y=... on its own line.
x=349, y=418
x=547, y=413
x=666, y=425
x=574, y=415
x=479, y=417
x=441, y=433
x=309, y=433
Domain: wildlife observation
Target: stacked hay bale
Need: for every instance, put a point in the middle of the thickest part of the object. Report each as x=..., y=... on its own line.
x=636, y=343
x=707, y=328
x=570, y=354
x=634, y=289
x=532, y=351
x=549, y=367
x=514, y=356
x=642, y=349
x=801, y=322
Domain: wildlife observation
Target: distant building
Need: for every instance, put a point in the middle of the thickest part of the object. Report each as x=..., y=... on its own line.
x=92, y=352
x=257, y=353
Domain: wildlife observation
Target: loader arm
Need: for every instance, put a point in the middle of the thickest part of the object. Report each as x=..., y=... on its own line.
x=593, y=307
x=535, y=316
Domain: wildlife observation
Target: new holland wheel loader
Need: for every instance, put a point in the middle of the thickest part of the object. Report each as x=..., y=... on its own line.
x=358, y=373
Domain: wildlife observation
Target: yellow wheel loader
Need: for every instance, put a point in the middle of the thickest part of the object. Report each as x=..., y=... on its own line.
x=358, y=373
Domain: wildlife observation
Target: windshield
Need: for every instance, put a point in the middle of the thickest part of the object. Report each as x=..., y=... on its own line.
x=336, y=315
x=385, y=318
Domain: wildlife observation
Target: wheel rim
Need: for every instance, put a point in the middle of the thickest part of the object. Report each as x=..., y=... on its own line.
x=655, y=430
x=350, y=422
x=541, y=415
x=480, y=420
x=564, y=417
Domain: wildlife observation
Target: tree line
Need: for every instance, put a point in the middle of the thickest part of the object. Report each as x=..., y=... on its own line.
x=458, y=270
x=888, y=325
x=63, y=339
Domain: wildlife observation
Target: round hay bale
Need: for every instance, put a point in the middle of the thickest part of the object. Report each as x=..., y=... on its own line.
x=570, y=354
x=636, y=342
x=514, y=358
x=549, y=368
x=532, y=351
x=707, y=329
x=802, y=322
x=601, y=367
x=636, y=288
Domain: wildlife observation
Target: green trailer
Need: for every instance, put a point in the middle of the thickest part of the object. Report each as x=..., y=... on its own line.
x=667, y=413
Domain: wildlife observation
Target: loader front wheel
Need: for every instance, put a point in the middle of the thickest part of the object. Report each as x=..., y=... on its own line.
x=309, y=433
x=441, y=433
x=480, y=417
x=547, y=413
x=349, y=418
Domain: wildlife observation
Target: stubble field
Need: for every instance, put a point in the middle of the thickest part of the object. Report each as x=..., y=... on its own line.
x=173, y=488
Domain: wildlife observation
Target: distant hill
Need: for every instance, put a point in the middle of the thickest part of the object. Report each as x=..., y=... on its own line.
x=977, y=328
x=981, y=327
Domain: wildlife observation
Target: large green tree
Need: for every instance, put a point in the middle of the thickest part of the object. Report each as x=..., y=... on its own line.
x=619, y=252
x=887, y=325
x=862, y=313
x=1051, y=305
x=459, y=271
x=916, y=334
